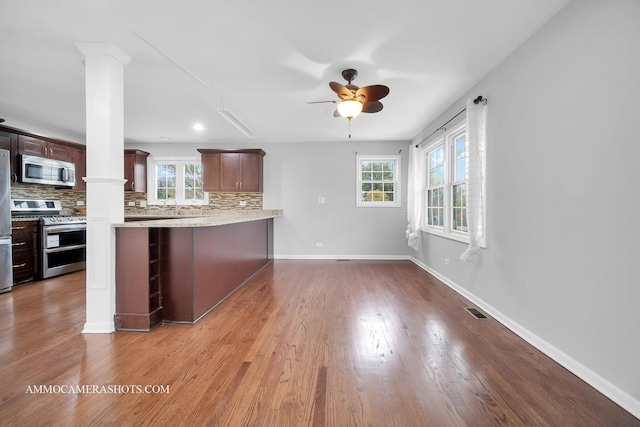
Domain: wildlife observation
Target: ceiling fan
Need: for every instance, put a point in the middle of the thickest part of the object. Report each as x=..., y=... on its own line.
x=355, y=100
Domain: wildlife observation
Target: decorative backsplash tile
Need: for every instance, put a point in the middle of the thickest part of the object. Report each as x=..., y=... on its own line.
x=69, y=199
x=217, y=201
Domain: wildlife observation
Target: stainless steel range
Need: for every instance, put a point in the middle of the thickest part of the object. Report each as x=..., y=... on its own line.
x=63, y=238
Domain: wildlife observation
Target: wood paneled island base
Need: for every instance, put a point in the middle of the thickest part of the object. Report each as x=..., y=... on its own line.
x=179, y=274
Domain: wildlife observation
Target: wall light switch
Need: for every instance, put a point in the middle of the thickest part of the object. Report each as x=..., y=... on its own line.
x=319, y=244
x=321, y=199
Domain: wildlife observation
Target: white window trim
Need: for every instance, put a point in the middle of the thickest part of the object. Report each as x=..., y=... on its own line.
x=396, y=203
x=447, y=139
x=152, y=180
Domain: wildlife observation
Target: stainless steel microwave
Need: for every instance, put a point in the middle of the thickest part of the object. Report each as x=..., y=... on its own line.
x=38, y=170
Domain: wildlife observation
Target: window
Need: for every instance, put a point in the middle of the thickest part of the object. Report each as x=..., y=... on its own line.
x=377, y=181
x=177, y=179
x=445, y=182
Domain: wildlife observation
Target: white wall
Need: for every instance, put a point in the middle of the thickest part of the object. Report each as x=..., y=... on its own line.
x=296, y=174
x=561, y=264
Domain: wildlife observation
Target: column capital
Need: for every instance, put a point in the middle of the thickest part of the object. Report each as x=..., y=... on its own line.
x=103, y=49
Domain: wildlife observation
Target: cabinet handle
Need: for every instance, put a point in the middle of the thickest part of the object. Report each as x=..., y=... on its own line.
x=236, y=185
x=20, y=265
x=18, y=228
x=19, y=244
x=133, y=185
x=15, y=177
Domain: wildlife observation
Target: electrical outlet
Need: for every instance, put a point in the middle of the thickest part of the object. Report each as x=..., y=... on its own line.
x=143, y=203
x=318, y=244
x=131, y=203
x=243, y=203
x=446, y=261
x=80, y=203
x=321, y=199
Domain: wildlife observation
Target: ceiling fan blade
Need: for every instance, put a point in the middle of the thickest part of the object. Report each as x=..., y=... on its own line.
x=321, y=102
x=372, y=107
x=342, y=91
x=372, y=93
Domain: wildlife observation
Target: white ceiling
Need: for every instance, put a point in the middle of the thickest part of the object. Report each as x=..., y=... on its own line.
x=264, y=60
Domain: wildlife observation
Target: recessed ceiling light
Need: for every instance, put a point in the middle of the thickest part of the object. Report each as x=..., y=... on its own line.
x=198, y=127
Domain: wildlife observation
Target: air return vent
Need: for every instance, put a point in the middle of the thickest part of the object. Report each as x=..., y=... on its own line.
x=476, y=313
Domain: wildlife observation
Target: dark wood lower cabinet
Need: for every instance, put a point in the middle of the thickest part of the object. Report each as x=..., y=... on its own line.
x=24, y=243
x=197, y=267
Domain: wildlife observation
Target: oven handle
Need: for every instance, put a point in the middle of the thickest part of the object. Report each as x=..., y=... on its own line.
x=64, y=227
x=63, y=248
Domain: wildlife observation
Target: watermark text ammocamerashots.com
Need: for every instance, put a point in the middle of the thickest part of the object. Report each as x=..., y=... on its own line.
x=97, y=389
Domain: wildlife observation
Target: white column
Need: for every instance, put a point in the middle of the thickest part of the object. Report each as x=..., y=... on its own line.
x=104, y=79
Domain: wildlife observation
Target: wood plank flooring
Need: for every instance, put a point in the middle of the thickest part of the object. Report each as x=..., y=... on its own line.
x=303, y=343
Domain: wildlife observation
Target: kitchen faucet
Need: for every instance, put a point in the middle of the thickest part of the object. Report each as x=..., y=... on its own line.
x=174, y=201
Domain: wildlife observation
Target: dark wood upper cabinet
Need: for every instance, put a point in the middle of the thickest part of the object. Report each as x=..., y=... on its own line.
x=43, y=148
x=135, y=170
x=80, y=160
x=232, y=170
x=9, y=141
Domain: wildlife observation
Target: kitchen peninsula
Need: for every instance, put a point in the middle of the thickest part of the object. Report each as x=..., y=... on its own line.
x=177, y=269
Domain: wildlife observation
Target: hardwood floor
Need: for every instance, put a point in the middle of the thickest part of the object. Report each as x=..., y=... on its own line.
x=335, y=343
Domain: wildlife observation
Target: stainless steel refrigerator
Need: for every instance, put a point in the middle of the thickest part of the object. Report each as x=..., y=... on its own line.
x=6, y=266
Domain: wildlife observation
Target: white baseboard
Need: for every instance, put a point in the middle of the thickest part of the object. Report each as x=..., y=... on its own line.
x=619, y=396
x=98, y=328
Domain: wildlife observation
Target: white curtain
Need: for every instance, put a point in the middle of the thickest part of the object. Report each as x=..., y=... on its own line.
x=414, y=199
x=476, y=142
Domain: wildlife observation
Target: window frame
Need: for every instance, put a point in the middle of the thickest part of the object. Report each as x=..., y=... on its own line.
x=397, y=160
x=446, y=140
x=152, y=181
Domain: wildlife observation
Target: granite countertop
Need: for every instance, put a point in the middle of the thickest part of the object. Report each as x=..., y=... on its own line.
x=25, y=219
x=203, y=220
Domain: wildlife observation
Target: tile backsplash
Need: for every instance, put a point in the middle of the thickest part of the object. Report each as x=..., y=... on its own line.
x=69, y=199
x=217, y=201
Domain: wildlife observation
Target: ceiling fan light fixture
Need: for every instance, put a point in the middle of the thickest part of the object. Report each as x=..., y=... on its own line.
x=350, y=108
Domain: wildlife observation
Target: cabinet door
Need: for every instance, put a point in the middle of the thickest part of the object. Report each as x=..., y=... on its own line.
x=9, y=141
x=230, y=172
x=251, y=181
x=41, y=148
x=129, y=171
x=6, y=140
x=80, y=160
x=211, y=172
x=32, y=146
x=24, y=250
x=140, y=173
x=59, y=152
x=135, y=170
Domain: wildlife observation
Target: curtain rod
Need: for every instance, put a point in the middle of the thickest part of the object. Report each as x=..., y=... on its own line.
x=476, y=101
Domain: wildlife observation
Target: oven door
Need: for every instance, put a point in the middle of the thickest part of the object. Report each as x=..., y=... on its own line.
x=63, y=249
